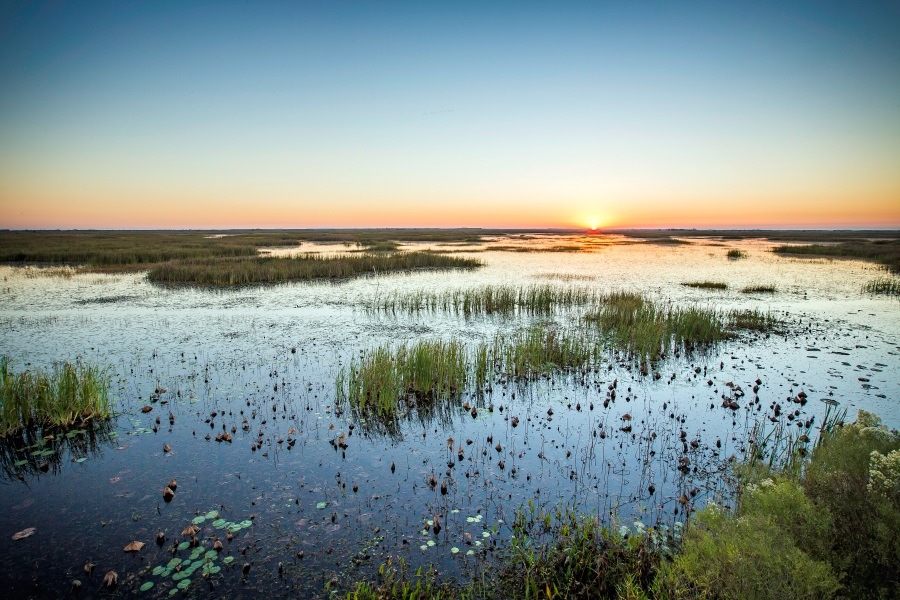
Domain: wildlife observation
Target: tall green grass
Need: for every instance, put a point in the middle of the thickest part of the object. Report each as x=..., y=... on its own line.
x=884, y=252
x=489, y=299
x=539, y=350
x=386, y=380
x=883, y=285
x=67, y=395
x=246, y=271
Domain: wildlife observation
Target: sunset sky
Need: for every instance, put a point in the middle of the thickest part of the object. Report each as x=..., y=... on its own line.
x=633, y=114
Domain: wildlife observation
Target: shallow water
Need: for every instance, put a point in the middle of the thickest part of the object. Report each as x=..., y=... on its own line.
x=230, y=353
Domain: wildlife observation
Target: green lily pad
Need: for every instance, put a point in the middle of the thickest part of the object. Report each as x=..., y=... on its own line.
x=320, y=506
x=158, y=570
x=454, y=550
x=173, y=591
x=198, y=520
x=184, y=583
x=80, y=460
x=174, y=563
x=178, y=576
x=184, y=545
x=228, y=560
x=211, y=555
x=146, y=586
x=212, y=515
x=219, y=523
x=20, y=463
x=247, y=523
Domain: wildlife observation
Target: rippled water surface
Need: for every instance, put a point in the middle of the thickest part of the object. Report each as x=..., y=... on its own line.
x=264, y=360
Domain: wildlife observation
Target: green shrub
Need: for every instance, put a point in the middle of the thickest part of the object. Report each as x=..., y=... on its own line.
x=743, y=556
x=847, y=476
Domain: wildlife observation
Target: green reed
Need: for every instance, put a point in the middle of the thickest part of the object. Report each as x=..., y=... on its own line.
x=489, y=299
x=884, y=285
x=246, y=271
x=67, y=395
x=759, y=289
x=706, y=285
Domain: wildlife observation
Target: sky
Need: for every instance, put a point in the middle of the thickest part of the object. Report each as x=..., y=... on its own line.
x=146, y=115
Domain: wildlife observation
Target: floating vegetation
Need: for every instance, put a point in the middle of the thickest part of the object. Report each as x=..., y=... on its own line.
x=884, y=252
x=246, y=271
x=490, y=299
x=706, y=285
x=759, y=289
x=883, y=285
x=68, y=395
x=735, y=254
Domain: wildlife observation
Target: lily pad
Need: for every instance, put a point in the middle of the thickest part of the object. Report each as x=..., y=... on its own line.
x=184, y=545
x=211, y=555
x=321, y=505
x=219, y=523
x=184, y=583
x=454, y=550
x=247, y=523
x=198, y=520
x=212, y=515
x=158, y=570
x=146, y=586
x=228, y=560
x=173, y=563
x=173, y=591
x=80, y=460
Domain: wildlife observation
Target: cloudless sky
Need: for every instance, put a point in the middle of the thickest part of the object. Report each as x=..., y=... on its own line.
x=633, y=114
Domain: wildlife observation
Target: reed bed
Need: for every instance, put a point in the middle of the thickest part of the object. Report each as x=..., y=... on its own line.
x=759, y=289
x=706, y=285
x=490, y=299
x=884, y=252
x=648, y=330
x=883, y=285
x=67, y=395
x=383, y=381
x=246, y=271
x=539, y=350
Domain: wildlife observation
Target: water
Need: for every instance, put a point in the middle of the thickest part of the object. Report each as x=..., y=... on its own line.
x=270, y=355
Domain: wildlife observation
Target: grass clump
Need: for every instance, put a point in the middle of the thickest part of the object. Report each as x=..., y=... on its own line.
x=246, y=271
x=735, y=254
x=759, y=289
x=706, y=285
x=883, y=285
x=490, y=299
x=648, y=330
x=751, y=320
x=538, y=350
x=884, y=252
x=386, y=381
x=68, y=395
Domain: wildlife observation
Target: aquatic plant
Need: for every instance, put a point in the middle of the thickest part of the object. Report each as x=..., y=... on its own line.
x=643, y=328
x=759, y=289
x=489, y=299
x=884, y=252
x=540, y=349
x=67, y=395
x=246, y=271
x=706, y=285
x=385, y=379
x=883, y=285
x=735, y=254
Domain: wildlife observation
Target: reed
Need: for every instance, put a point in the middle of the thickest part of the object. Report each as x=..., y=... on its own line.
x=385, y=380
x=246, y=271
x=884, y=252
x=883, y=285
x=539, y=350
x=759, y=289
x=490, y=299
x=706, y=285
x=67, y=395
x=647, y=330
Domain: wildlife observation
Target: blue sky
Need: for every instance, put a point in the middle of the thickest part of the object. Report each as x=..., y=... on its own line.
x=166, y=114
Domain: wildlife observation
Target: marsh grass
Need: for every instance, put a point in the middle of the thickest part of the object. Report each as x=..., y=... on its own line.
x=735, y=254
x=759, y=289
x=884, y=252
x=387, y=381
x=883, y=285
x=246, y=271
x=706, y=285
x=491, y=299
x=67, y=395
x=540, y=350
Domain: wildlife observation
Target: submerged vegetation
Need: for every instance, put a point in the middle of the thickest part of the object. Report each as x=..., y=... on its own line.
x=824, y=529
x=884, y=252
x=68, y=395
x=490, y=299
x=245, y=271
x=883, y=285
